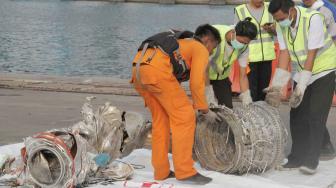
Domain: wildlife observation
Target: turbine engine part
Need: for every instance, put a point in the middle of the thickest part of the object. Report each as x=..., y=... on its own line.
x=247, y=140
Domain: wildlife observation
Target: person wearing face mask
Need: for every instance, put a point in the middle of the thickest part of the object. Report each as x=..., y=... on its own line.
x=156, y=76
x=304, y=41
x=233, y=46
x=262, y=50
x=325, y=8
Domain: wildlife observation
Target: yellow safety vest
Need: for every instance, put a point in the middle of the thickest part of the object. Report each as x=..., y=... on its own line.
x=262, y=48
x=220, y=67
x=298, y=47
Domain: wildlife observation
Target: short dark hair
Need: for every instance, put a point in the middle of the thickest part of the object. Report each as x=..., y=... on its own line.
x=283, y=5
x=246, y=28
x=206, y=30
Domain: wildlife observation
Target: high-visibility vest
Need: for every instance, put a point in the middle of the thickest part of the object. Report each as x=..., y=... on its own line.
x=298, y=47
x=262, y=48
x=220, y=67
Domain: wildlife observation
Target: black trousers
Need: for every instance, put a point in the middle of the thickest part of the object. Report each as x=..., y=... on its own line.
x=259, y=78
x=308, y=121
x=223, y=92
x=326, y=139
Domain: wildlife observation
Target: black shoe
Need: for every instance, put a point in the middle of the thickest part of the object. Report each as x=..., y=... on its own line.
x=290, y=166
x=197, y=179
x=308, y=170
x=327, y=153
x=171, y=175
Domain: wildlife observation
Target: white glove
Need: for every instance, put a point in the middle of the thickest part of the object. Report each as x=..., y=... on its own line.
x=280, y=78
x=274, y=91
x=210, y=96
x=245, y=97
x=273, y=96
x=213, y=117
x=296, y=98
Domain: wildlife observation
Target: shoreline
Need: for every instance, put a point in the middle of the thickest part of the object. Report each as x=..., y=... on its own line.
x=75, y=84
x=71, y=84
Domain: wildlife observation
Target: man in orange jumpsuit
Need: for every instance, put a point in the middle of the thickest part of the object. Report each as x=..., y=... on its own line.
x=172, y=111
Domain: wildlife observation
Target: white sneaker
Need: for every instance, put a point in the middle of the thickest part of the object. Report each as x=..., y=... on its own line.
x=307, y=170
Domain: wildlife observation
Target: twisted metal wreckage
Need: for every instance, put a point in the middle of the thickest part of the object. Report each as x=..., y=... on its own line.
x=247, y=140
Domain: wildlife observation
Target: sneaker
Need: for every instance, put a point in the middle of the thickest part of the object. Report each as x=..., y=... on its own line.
x=196, y=179
x=290, y=166
x=308, y=170
x=327, y=153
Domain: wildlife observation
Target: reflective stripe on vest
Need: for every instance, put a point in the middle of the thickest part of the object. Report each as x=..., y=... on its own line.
x=298, y=46
x=220, y=67
x=262, y=48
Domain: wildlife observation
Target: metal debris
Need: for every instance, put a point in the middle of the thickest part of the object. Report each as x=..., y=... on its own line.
x=56, y=158
x=65, y=158
x=138, y=131
x=103, y=130
x=5, y=162
x=248, y=140
x=118, y=171
x=10, y=182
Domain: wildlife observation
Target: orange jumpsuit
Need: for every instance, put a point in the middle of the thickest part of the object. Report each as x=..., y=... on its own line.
x=171, y=109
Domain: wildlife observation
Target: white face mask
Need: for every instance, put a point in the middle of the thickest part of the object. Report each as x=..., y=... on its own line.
x=236, y=44
x=286, y=22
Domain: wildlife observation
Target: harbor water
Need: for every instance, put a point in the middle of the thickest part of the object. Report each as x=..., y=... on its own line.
x=88, y=38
